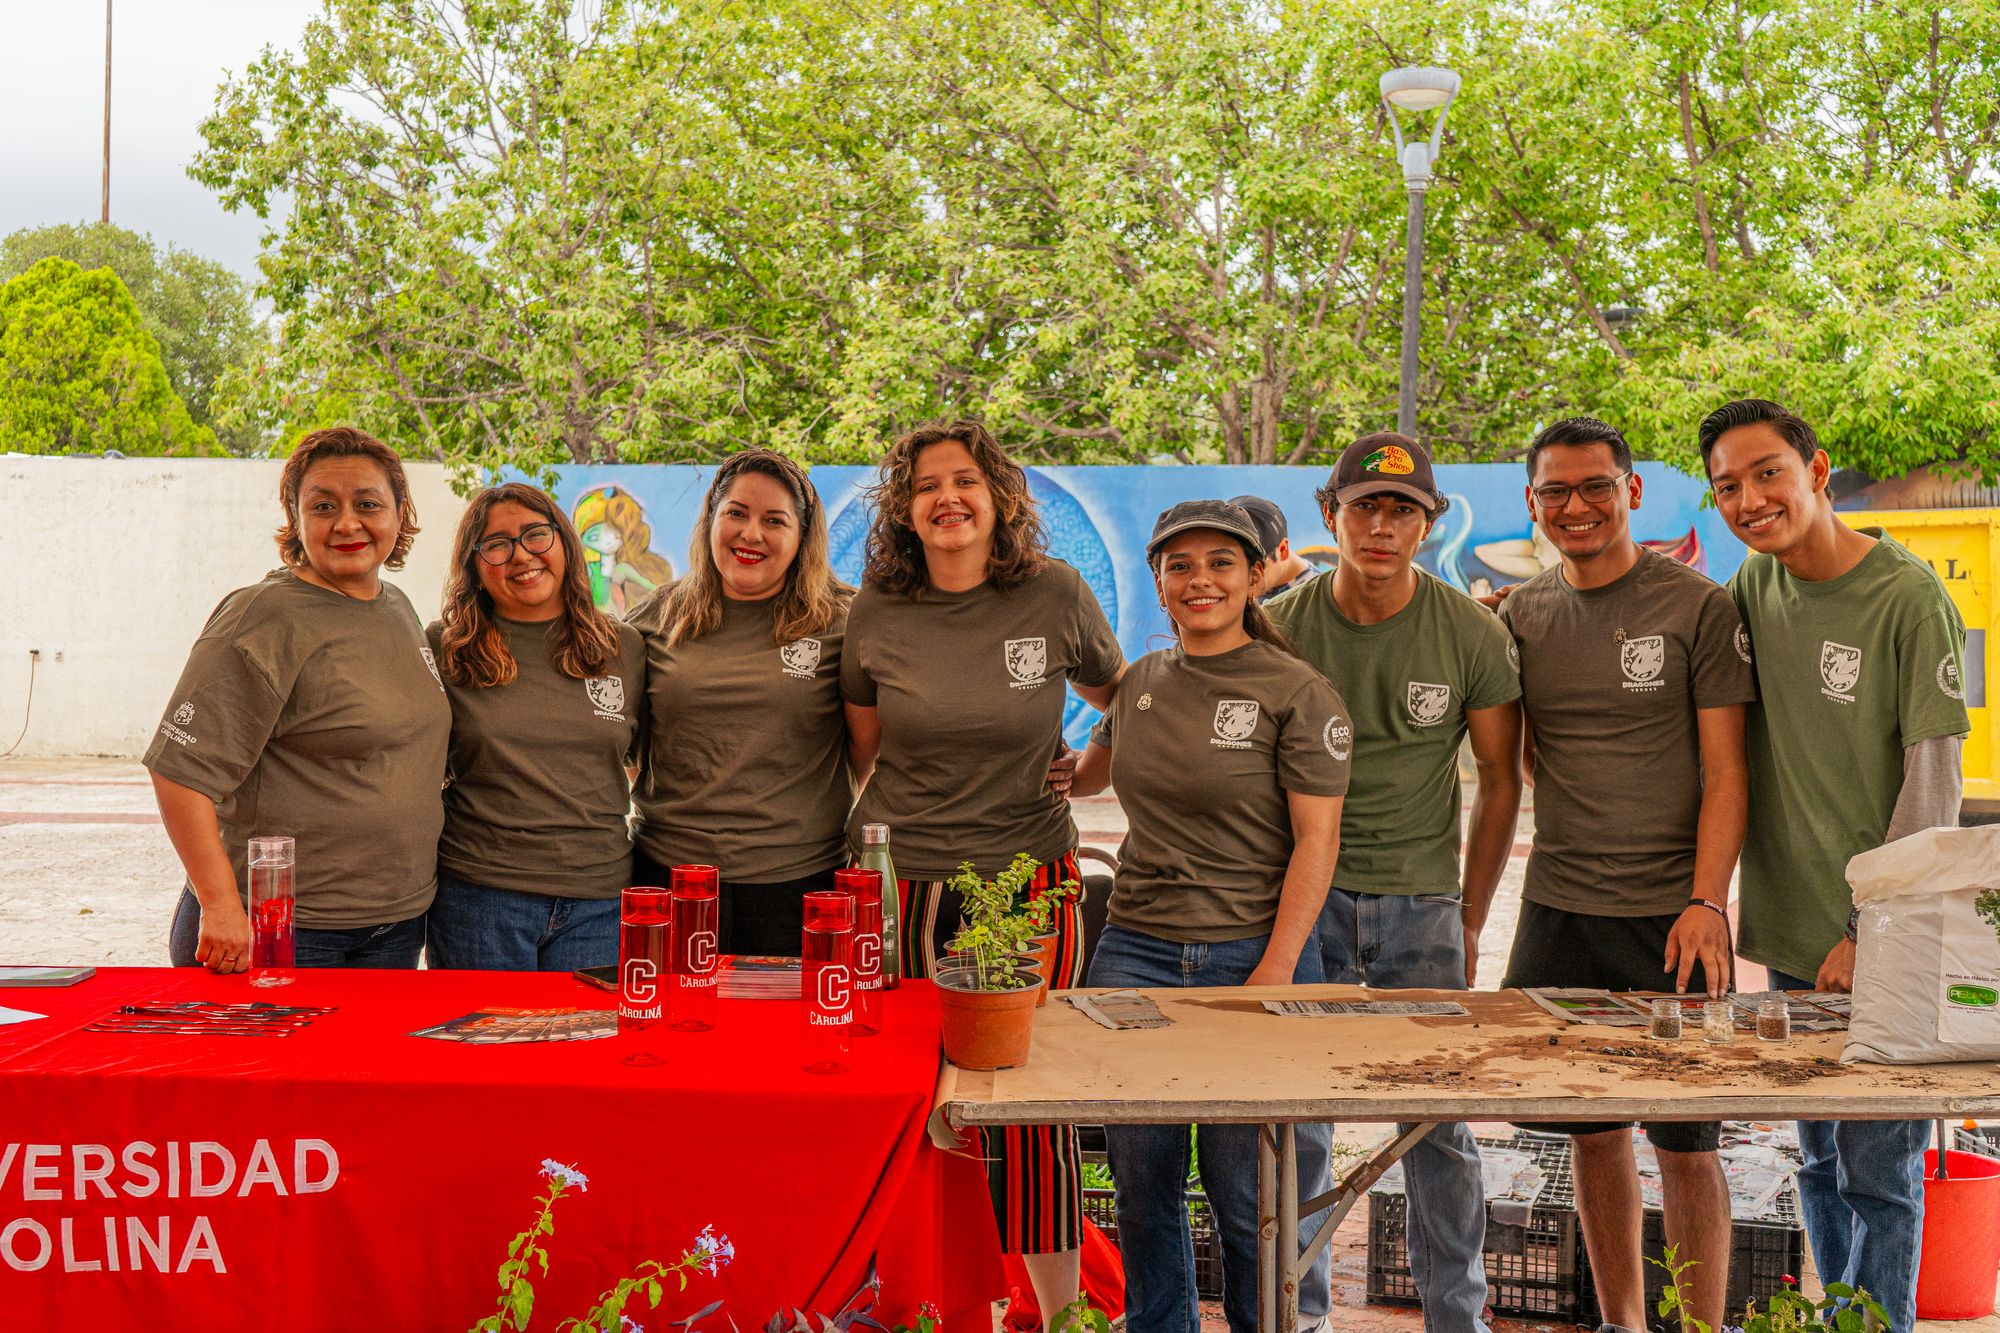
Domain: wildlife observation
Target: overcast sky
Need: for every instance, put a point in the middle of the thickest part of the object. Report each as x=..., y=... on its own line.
x=167, y=59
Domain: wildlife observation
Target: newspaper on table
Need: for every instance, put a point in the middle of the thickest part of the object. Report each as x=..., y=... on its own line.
x=1811, y=1011
x=1120, y=1010
x=1588, y=1004
x=1372, y=1008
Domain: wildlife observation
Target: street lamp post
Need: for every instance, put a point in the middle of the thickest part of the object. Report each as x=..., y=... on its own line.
x=1415, y=89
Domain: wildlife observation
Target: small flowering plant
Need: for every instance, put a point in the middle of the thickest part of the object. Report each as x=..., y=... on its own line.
x=529, y=1250
x=1842, y=1310
x=999, y=918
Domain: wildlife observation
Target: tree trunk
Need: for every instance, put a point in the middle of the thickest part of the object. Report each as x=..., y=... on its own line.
x=1229, y=406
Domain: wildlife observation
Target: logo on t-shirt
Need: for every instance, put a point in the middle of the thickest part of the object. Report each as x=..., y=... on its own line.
x=1839, y=669
x=432, y=663
x=1428, y=703
x=1027, y=662
x=1743, y=643
x=1514, y=654
x=1338, y=737
x=607, y=696
x=1641, y=660
x=800, y=658
x=1235, y=719
x=172, y=730
x=185, y=713
x=1947, y=678
x=1145, y=702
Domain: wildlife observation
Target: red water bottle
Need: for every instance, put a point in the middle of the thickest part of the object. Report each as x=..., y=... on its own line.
x=644, y=919
x=692, y=958
x=826, y=980
x=865, y=886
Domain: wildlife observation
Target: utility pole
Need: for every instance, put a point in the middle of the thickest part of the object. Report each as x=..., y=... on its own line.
x=105, y=215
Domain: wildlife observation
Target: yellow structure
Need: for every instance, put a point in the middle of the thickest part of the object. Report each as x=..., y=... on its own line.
x=1963, y=546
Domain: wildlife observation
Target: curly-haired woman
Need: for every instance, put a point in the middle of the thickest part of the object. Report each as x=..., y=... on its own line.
x=958, y=649
x=745, y=764
x=310, y=707
x=547, y=705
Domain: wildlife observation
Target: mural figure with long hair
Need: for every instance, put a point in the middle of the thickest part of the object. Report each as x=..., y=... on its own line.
x=618, y=549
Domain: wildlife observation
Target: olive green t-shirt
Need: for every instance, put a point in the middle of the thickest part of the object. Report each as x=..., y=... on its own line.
x=306, y=714
x=1203, y=751
x=1410, y=680
x=1850, y=671
x=746, y=764
x=538, y=797
x=1611, y=679
x=969, y=692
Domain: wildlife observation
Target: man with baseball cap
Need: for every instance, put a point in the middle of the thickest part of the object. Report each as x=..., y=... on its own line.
x=1421, y=666
x=1284, y=568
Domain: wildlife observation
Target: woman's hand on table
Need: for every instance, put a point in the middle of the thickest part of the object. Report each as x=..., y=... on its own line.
x=225, y=938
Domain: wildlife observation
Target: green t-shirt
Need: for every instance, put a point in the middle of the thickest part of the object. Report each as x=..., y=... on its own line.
x=1850, y=671
x=1204, y=750
x=746, y=765
x=538, y=796
x=1409, y=680
x=306, y=714
x=1613, y=679
x=968, y=688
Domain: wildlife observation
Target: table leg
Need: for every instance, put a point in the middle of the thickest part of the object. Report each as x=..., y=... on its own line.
x=1269, y=1252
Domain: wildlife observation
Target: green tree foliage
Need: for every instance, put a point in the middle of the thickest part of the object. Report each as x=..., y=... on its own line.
x=530, y=231
x=79, y=371
x=198, y=312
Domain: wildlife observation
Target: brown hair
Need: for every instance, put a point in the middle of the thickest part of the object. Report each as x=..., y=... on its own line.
x=895, y=560
x=810, y=600
x=1257, y=622
x=342, y=442
x=471, y=648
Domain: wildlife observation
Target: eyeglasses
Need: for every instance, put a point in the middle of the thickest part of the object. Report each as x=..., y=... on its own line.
x=1595, y=491
x=534, y=540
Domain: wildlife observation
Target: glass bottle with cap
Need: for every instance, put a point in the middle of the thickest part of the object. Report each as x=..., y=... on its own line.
x=875, y=856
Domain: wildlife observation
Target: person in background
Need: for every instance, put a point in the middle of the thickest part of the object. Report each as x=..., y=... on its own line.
x=958, y=648
x=745, y=764
x=1230, y=756
x=1634, y=678
x=1284, y=568
x=547, y=705
x=1423, y=666
x=310, y=707
x=1853, y=743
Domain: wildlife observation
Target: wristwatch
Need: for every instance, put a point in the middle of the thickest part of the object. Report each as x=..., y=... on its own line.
x=1854, y=926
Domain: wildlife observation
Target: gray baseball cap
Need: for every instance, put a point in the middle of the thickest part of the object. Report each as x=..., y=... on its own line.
x=1270, y=520
x=1220, y=515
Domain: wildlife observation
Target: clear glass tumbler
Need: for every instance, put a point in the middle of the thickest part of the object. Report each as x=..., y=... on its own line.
x=273, y=934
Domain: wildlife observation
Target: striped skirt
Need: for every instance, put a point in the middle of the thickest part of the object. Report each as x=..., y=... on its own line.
x=1034, y=1171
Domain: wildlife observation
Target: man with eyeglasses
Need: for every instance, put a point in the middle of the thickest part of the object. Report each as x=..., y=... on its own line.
x=1422, y=667
x=1635, y=671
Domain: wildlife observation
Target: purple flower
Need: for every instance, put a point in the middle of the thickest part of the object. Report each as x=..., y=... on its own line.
x=564, y=1175
x=711, y=1251
x=627, y=1324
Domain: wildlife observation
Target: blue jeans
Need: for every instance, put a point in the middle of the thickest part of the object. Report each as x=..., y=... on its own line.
x=1417, y=941
x=473, y=927
x=1149, y=1163
x=1862, y=1191
x=396, y=944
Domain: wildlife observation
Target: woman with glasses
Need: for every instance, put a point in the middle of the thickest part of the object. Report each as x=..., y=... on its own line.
x=547, y=698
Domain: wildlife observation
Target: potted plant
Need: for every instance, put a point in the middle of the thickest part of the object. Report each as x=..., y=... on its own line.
x=1038, y=920
x=987, y=990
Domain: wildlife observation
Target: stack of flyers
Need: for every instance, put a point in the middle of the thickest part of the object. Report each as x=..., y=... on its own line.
x=759, y=977
x=509, y=1027
x=1374, y=1008
x=1584, y=1004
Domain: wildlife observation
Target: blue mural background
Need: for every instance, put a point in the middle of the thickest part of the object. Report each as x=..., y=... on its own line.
x=1098, y=519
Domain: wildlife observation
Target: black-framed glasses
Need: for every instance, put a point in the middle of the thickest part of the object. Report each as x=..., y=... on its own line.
x=1595, y=491
x=535, y=540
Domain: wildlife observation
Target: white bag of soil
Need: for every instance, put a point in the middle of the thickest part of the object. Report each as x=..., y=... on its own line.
x=1927, y=965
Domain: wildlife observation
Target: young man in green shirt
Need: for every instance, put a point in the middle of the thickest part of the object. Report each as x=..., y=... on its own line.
x=1854, y=742
x=1420, y=665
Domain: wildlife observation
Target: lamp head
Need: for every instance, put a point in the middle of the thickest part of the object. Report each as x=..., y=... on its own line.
x=1416, y=88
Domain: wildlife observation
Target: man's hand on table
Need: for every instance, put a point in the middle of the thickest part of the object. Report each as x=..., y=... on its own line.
x=1472, y=952
x=1272, y=972
x=1837, y=972
x=225, y=938
x=1701, y=935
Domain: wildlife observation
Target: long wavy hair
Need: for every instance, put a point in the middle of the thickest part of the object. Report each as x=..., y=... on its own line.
x=342, y=442
x=1257, y=622
x=811, y=599
x=471, y=649
x=895, y=554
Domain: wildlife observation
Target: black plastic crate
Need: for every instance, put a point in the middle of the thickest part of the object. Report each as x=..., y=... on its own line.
x=1984, y=1140
x=1531, y=1269
x=1761, y=1255
x=1101, y=1207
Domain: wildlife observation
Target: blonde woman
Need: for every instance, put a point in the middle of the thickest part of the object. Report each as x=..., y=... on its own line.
x=745, y=764
x=618, y=549
x=547, y=705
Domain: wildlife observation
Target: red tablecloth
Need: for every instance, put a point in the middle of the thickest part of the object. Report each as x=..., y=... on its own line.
x=352, y=1176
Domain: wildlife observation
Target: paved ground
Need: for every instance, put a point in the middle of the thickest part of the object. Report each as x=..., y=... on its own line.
x=87, y=876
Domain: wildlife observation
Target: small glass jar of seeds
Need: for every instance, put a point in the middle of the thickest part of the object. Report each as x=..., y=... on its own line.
x=1718, y=1022
x=1666, y=1020
x=1774, y=1019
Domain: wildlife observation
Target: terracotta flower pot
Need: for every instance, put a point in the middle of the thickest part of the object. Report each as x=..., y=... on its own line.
x=986, y=1029
x=1042, y=957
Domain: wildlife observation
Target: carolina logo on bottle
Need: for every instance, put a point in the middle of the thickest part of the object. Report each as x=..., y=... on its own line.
x=699, y=949
x=833, y=997
x=868, y=962
x=638, y=989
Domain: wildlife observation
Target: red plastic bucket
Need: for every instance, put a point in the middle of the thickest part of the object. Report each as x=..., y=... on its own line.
x=1961, y=1259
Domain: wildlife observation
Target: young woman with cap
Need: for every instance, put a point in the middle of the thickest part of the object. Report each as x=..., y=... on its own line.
x=958, y=648
x=547, y=705
x=1231, y=724
x=745, y=766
